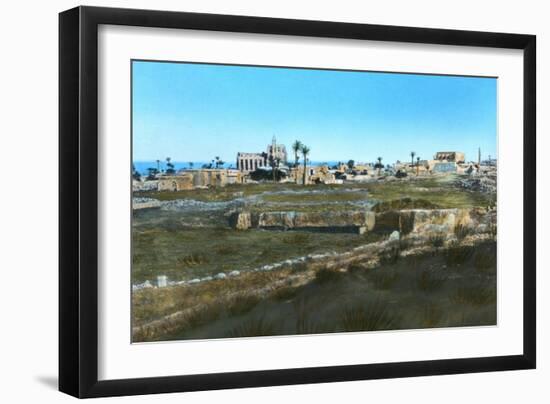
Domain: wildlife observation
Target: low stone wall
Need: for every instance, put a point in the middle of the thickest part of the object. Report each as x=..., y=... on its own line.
x=435, y=221
x=144, y=203
x=357, y=221
x=416, y=221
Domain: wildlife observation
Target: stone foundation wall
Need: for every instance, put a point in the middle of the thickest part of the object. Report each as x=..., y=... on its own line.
x=406, y=221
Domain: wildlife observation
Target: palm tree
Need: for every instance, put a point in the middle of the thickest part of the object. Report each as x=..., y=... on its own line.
x=218, y=162
x=191, y=164
x=305, y=151
x=276, y=162
x=135, y=173
x=379, y=164
x=417, y=165
x=170, y=169
x=412, y=158
x=158, y=166
x=296, y=147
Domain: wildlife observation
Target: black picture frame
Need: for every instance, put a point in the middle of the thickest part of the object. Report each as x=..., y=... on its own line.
x=78, y=201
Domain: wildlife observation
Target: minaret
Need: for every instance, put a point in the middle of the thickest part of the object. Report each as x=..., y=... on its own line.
x=479, y=156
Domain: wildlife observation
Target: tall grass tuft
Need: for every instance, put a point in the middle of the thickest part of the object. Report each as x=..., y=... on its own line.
x=485, y=261
x=432, y=316
x=461, y=231
x=383, y=279
x=226, y=250
x=297, y=238
x=256, y=327
x=429, y=281
x=475, y=295
x=303, y=323
x=242, y=304
x=204, y=315
x=374, y=316
x=458, y=255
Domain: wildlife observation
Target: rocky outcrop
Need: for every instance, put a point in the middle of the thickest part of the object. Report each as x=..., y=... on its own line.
x=486, y=183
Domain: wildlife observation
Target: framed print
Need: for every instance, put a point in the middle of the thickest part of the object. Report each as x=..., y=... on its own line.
x=250, y=201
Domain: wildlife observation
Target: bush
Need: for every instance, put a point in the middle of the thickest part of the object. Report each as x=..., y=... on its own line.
x=437, y=240
x=283, y=294
x=192, y=259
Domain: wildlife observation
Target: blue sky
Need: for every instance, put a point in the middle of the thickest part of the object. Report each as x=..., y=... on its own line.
x=193, y=112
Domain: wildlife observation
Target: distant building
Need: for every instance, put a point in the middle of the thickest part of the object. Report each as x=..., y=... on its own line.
x=248, y=162
x=450, y=157
x=276, y=152
x=190, y=179
x=446, y=162
x=444, y=167
x=175, y=182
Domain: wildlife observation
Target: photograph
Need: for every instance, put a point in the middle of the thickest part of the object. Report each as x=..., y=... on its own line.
x=282, y=201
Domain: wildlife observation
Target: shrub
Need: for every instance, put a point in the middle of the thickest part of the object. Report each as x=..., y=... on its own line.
x=357, y=267
x=390, y=256
x=192, y=259
x=283, y=294
x=326, y=275
x=437, y=240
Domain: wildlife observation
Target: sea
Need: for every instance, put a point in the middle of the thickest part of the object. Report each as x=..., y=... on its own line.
x=143, y=166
